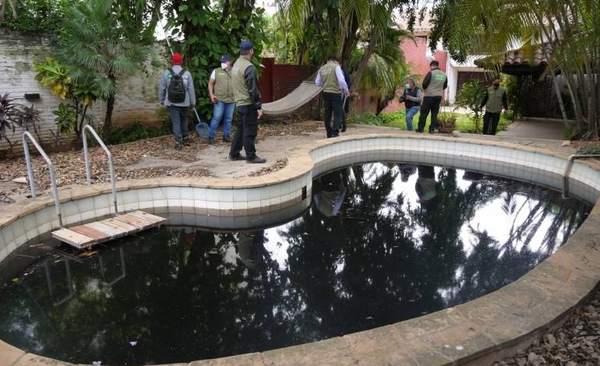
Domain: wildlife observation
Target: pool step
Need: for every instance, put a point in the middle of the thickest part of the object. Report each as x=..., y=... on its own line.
x=84, y=236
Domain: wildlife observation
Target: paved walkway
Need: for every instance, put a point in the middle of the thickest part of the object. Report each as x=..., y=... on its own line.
x=552, y=129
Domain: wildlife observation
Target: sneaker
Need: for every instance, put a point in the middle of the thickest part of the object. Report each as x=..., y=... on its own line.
x=187, y=141
x=211, y=140
x=178, y=146
x=226, y=139
x=256, y=160
x=236, y=157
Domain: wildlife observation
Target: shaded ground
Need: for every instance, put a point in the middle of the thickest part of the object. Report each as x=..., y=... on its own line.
x=576, y=343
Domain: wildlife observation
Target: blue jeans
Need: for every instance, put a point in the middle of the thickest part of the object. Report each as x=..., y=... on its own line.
x=410, y=113
x=221, y=109
x=179, y=119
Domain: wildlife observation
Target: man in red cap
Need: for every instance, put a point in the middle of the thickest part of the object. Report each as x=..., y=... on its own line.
x=178, y=109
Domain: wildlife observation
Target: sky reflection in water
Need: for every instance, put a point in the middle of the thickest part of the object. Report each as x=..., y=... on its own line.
x=380, y=244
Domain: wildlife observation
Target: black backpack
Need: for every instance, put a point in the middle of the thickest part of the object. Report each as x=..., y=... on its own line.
x=176, y=89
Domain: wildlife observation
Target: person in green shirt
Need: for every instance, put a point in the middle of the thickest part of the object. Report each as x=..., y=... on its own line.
x=495, y=102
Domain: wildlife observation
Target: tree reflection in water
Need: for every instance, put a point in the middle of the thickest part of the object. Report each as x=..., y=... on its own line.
x=381, y=243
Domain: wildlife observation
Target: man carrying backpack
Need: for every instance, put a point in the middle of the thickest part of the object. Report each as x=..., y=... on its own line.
x=176, y=93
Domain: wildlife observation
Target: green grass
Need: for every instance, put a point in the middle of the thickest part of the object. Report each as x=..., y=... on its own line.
x=464, y=123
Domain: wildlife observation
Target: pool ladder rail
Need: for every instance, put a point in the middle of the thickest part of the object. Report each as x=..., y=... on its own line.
x=86, y=235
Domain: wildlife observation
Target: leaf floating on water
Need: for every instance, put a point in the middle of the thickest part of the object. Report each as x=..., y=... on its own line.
x=133, y=343
x=87, y=254
x=16, y=280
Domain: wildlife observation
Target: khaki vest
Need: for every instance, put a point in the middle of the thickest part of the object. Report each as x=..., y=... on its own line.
x=494, y=102
x=436, y=85
x=222, y=88
x=238, y=81
x=329, y=78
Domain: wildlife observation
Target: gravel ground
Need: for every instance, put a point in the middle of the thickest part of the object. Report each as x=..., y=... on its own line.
x=577, y=342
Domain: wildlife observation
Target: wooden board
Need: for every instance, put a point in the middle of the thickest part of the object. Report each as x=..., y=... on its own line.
x=86, y=235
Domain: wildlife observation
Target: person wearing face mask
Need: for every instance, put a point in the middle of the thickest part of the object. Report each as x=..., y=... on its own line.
x=411, y=97
x=220, y=90
x=495, y=102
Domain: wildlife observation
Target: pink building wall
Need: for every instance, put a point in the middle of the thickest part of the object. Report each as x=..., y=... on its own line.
x=417, y=56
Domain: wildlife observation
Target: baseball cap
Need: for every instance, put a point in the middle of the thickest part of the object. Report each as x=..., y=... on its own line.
x=246, y=46
x=225, y=58
x=177, y=59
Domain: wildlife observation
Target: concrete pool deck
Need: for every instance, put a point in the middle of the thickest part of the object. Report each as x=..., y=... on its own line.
x=477, y=333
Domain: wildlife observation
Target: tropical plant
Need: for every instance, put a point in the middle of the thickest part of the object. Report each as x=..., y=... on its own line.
x=69, y=118
x=99, y=45
x=9, y=114
x=470, y=96
x=13, y=115
x=565, y=34
x=446, y=122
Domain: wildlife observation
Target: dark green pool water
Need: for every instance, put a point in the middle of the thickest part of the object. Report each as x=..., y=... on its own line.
x=381, y=243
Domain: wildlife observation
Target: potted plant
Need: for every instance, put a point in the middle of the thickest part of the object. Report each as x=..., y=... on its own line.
x=446, y=122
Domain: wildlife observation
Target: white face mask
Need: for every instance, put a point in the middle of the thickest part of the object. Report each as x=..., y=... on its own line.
x=224, y=65
x=407, y=86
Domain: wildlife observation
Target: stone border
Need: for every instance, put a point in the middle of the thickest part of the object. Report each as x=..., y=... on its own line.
x=475, y=333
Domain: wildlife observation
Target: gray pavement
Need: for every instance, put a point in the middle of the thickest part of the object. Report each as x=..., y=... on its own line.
x=536, y=128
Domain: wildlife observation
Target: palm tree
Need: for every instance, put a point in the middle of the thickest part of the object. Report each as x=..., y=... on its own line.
x=361, y=32
x=100, y=46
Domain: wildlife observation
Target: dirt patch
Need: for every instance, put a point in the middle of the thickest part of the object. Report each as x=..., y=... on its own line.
x=157, y=158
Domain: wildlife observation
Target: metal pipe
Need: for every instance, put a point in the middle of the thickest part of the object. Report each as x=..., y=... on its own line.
x=27, y=135
x=111, y=166
x=570, y=166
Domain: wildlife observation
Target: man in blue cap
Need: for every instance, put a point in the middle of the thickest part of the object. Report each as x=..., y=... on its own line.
x=248, y=105
x=220, y=90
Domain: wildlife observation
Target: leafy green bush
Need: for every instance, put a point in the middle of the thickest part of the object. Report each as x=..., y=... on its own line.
x=464, y=123
x=368, y=119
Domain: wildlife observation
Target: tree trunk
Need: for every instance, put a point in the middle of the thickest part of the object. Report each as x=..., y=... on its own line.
x=107, y=129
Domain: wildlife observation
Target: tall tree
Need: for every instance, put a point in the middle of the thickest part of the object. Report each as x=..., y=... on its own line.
x=566, y=33
x=44, y=16
x=101, y=43
x=361, y=32
x=204, y=30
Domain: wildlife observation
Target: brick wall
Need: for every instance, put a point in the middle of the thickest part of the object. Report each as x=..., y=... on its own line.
x=136, y=97
x=277, y=81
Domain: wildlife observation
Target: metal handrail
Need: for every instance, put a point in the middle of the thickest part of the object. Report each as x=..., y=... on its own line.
x=570, y=166
x=27, y=135
x=87, y=161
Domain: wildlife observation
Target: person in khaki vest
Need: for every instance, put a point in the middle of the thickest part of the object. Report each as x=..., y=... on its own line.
x=248, y=105
x=220, y=90
x=495, y=102
x=331, y=78
x=434, y=84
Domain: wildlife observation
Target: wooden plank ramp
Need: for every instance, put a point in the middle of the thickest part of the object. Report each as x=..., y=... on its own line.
x=86, y=235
